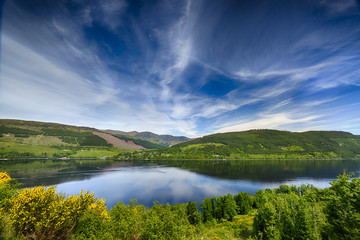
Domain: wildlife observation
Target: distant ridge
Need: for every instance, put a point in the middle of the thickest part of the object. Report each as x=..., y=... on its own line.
x=263, y=144
x=150, y=140
x=32, y=139
x=167, y=140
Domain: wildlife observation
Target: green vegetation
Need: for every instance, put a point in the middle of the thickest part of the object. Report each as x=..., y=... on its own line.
x=162, y=140
x=144, y=143
x=261, y=144
x=27, y=139
x=287, y=212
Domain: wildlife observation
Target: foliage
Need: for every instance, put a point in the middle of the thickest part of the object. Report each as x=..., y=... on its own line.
x=219, y=208
x=141, y=142
x=286, y=212
x=40, y=213
x=192, y=212
x=166, y=222
x=244, y=202
x=343, y=207
x=8, y=188
x=18, y=132
x=94, y=223
x=127, y=220
x=4, y=177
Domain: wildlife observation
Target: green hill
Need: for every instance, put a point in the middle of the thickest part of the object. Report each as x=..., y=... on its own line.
x=161, y=140
x=263, y=144
x=30, y=139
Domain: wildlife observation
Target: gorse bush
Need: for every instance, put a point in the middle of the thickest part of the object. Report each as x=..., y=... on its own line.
x=40, y=213
x=4, y=177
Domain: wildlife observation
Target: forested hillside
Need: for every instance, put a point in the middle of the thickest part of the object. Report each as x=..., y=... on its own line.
x=29, y=139
x=161, y=140
x=262, y=144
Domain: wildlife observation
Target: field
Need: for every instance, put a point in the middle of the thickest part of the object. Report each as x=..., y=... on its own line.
x=24, y=139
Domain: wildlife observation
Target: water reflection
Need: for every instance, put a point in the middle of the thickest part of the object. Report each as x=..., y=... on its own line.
x=172, y=181
x=165, y=184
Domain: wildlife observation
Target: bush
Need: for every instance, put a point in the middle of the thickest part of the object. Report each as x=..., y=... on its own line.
x=127, y=220
x=94, y=224
x=40, y=213
x=166, y=222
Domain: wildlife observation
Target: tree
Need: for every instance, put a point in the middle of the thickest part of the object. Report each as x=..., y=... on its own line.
x=343, y=207
x=193, y=213
x=225, y=207
x=208, y=209
x=243, y=201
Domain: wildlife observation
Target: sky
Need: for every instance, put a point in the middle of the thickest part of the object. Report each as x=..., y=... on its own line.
x=180, y=67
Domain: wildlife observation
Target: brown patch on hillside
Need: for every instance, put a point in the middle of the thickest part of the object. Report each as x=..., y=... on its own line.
x=116, y=142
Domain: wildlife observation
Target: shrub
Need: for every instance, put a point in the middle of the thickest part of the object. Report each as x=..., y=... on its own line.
x=166, y=222
x=127, y=220
x=4, y=177
x=40, y=213
x=94, y=223
x=8, y=188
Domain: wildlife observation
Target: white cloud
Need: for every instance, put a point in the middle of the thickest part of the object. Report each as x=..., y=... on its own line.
x=107, y=12
x=32, y=83
x=215, y=108
x=274, y=121
x=176, y=52
x=339, y=6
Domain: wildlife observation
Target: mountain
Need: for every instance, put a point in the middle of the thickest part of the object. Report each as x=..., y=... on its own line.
x=23, y=139
x=262, y=144
x=165, y=140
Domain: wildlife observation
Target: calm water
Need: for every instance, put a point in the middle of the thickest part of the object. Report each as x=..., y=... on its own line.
x=173, y=181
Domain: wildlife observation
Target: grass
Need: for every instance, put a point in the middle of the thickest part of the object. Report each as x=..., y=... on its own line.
x=98, y=153
x=50, y=151
x=44, y=141
x=7, y=146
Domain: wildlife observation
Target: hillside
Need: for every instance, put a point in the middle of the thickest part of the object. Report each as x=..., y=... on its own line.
x=262, y=144
x=161, y=140
x=24, y=139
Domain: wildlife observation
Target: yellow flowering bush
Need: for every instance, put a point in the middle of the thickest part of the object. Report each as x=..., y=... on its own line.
x=4, y=177
x=40, y=213
x=8, y=188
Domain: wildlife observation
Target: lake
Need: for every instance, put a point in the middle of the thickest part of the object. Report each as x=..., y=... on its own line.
x=173, y=181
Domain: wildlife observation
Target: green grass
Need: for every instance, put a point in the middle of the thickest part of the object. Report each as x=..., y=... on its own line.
x=27, y=139
x=98, y=153
x=6, y=147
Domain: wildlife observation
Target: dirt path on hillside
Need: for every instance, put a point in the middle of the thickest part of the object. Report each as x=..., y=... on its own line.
x=116, y=142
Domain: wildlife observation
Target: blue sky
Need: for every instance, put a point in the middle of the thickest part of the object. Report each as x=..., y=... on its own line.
x=182, y=67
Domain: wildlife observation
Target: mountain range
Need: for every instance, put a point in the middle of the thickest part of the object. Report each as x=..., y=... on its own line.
x=30, y=139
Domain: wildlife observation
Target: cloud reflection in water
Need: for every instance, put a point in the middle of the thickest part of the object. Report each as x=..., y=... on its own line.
x=163, y=184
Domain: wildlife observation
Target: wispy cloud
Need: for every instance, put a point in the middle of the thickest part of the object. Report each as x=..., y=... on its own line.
x=108, y=12
x=276, y=121
x=182, y=67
